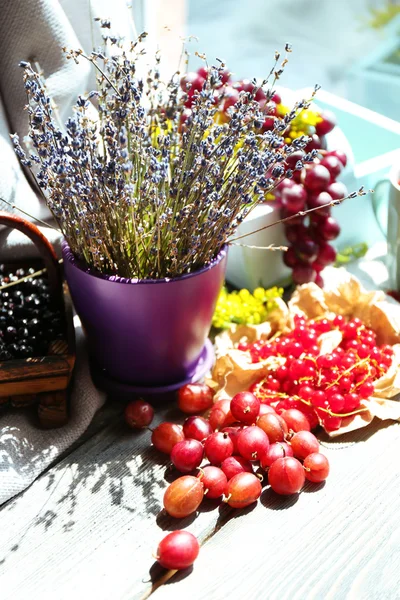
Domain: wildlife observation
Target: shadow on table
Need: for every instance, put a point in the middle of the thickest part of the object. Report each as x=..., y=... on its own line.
x=114, y=463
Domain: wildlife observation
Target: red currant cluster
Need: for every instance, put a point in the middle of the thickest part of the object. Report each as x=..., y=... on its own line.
x=327, y=388
x=314, y=186
x=239, y=438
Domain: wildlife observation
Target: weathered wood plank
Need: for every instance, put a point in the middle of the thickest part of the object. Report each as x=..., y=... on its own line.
x=32, y=368
x=92, y=522
x=342, y=541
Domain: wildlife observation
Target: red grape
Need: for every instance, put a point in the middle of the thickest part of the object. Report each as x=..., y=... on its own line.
x=196, y=428
x=334, y=166
x=242, y=490
x=231, y=96
x=217, y=447
x=337, y=190
x=245, y=407
x=203, y=72
x=304, y=274
x=166, y=435
x=187, y=455
x=178, y=550
x=294, y=158
x=269, y=123
x=183, y=496
x=276, y=98
x=317, y=178
x=328, y=229
x=340, y=155
x=316, y=467
x=214, y=481
x=290, y=258
x=319, y=200
x=315, y=143
x=286, y=476
x=327, y=254
x=191, y=82
x=195, y=398
x=294, y=198
x=138, y=414
x=327, y=123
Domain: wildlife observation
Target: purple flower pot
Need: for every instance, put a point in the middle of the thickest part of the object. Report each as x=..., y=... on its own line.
x=145, y=333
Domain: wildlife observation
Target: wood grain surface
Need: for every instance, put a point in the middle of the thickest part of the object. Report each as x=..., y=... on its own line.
x=87, y=527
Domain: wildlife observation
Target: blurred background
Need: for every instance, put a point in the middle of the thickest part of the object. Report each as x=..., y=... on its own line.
x=349, y=47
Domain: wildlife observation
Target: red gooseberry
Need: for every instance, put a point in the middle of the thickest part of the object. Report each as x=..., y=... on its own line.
x=178, y=550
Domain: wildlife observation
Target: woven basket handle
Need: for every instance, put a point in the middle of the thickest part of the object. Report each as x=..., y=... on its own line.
x=42, y=244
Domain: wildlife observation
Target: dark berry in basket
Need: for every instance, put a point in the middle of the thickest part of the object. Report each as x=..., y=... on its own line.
x=22, y=333
x=10, y=333
x=30, y=318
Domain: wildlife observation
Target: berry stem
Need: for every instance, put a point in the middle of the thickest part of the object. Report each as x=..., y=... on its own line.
x=302, y=213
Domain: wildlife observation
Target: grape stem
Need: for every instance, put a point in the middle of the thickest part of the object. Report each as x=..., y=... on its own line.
x=302, y=213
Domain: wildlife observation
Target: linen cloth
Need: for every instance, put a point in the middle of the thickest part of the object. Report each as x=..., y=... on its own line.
x=36, y=30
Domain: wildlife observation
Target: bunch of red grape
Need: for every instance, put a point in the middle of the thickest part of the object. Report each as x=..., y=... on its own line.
x=238, y=439
x=313, y=185
x=327, y=388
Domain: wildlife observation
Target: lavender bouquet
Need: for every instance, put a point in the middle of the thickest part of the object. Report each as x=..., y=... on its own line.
x=137, y=190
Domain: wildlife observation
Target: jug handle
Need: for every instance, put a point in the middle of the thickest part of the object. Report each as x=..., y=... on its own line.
x=380, y=202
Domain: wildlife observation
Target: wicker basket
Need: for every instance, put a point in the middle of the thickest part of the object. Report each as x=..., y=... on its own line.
x=42, y=380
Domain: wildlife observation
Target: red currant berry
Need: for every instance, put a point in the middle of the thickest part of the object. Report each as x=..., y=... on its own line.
x=351, y=402
x=331, y=423
x=366, y=390
x=336, y=403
